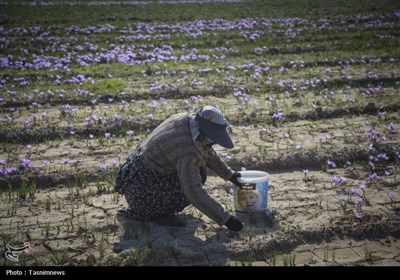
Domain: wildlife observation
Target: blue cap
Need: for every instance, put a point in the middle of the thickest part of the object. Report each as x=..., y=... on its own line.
x=213, y=125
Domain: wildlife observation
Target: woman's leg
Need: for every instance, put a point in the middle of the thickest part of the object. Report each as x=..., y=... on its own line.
x=153, y=196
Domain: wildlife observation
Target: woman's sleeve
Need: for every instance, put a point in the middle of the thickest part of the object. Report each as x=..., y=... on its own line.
x=189, y=176
x=216, y=164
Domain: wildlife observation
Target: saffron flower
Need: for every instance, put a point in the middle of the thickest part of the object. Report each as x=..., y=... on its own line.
x=372, y=176
x=129, y=132
x=362, y=187
x=331, y=164
x=25, y=162
x=353, y=192
x=357, y=216
x=338, y=180
x=359, y=201
x=103, y=166
x=391, y=127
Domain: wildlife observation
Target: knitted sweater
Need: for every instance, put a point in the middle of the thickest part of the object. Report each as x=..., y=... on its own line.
x=170, y=148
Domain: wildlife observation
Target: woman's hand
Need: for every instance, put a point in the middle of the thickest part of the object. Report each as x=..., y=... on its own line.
x=234, y=224
x=234, y=178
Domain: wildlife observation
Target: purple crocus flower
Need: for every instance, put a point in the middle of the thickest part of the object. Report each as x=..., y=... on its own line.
x=8, y=171
x=25, y=162
x=362, y=187
x=352, y=192
x=372, y=176
x=226, y=155
x=117, y=117
x=382, y=114
x=331, y=164
x=103, y=166
x=338, y=179
x=150, y=116
x=277, y=115
x=25, y=123
x=391, y=127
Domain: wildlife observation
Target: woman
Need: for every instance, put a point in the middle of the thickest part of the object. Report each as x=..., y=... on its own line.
x=166, y=172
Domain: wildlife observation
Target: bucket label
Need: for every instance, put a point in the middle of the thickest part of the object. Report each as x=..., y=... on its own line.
x=248, y=200
x=251, y=199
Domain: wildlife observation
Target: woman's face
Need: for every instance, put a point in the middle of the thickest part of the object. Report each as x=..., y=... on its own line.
x=209, y=142
x=206, y=141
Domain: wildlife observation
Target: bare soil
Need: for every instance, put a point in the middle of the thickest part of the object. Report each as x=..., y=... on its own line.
x=74, y=222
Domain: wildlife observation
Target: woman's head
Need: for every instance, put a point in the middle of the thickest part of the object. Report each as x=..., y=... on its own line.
x=248, y=199
x=212, y=125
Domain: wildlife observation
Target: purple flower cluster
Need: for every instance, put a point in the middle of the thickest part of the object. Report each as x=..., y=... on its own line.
x=338, y=180
x=8, y=171
x=277, y=115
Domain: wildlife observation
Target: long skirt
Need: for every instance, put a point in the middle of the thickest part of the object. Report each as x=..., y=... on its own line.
x=149, y=194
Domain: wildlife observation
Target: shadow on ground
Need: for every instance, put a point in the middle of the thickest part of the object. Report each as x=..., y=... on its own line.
x=199, y=243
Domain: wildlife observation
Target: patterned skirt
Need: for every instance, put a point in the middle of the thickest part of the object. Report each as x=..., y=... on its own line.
x=149, y=194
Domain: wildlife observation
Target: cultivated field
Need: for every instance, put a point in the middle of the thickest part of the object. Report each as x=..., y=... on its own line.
x=311, y=89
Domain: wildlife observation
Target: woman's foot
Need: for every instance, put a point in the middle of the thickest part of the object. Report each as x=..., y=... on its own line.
x=165, y=220
x=169, y=220
x=124, y=210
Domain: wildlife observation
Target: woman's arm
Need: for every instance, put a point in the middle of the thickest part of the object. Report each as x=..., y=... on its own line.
x=216, y=164
x=190, y=179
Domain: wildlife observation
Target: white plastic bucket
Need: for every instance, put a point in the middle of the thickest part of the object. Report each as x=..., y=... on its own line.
x=253, y=197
